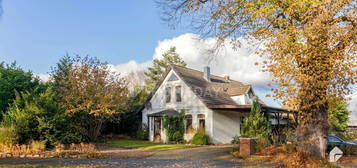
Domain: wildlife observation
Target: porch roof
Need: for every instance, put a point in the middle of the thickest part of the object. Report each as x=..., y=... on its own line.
x=167, y=112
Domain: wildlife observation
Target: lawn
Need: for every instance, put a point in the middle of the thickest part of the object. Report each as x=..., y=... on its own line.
x=135, y=143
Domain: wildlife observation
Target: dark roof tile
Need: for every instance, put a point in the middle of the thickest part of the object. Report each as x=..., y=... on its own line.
x=217, y=92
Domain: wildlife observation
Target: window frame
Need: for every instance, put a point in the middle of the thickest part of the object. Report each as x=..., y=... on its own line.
x=188, y=128
x=168, y=94
x=178, y=95
x=201, y=117
x=173, y=77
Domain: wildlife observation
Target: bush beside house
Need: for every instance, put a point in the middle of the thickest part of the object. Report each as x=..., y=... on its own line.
x=200, y=139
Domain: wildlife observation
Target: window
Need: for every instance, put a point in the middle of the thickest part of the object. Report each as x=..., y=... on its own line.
x=201, y=122
x=189, y=128
x=178, y=93
x=241, y=123
x=173, y=78
x=168, y=95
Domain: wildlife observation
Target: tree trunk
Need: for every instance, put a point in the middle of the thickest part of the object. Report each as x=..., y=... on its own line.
x=312, y=134
x=95, y=126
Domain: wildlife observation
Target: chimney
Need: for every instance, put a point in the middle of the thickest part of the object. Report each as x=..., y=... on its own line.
x=226, y=78
x=207, y=73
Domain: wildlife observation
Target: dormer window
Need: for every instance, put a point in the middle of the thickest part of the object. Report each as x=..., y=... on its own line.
x=168, y=94
x=173, y=77
x=178, y=93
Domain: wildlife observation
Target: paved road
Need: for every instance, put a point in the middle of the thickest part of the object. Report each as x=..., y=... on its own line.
x=210, y=156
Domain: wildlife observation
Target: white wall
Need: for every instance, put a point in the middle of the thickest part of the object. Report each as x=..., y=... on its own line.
x=226, y=125
x=190, y=102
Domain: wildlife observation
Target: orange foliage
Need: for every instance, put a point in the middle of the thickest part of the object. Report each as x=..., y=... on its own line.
x=310, y=50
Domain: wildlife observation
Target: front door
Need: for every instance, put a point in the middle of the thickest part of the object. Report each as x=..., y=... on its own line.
x=157, y=129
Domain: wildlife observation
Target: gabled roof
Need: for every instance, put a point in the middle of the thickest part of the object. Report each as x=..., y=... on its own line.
x=214, y=94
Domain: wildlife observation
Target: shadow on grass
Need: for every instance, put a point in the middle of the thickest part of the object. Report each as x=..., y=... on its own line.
x=142, y=144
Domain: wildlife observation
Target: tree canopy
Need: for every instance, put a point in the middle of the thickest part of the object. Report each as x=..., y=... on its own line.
x=81, y=96
x=92, y=93
x=338, y=116
x=12, y=79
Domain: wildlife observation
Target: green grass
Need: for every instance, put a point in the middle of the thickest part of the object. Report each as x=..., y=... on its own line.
x=135, y=143
x=170, y=146
x=129, y=143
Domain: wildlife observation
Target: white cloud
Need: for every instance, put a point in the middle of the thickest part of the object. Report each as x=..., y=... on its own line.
x=43, y=77
x=131, y=66
x=239, y=63
x=195, y=51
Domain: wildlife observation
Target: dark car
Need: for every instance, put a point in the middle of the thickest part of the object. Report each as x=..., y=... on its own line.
x=337, y=141
x=346, y=146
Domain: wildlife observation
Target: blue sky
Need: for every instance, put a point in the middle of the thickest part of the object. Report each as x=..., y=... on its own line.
x=36, y=33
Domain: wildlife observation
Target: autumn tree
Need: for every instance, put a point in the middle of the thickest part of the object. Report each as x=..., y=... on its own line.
x=160, y=65
x=310, y=49
x=91, y=93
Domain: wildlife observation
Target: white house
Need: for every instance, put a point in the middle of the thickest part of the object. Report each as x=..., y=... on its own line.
x=216, y=104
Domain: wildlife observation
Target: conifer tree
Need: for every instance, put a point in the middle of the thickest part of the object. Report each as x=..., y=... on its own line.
x=257, y=124
x=160, y=65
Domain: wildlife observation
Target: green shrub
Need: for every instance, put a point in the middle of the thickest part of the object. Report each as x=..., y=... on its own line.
x=200, y=139
x=38, y=117
x=257, y=124
x=7, y=135
x=235, y=140
x=174, y=124
x=70, y=138
x=177, y=136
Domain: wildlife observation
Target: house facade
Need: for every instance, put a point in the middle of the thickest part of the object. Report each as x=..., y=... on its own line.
x=211, y=103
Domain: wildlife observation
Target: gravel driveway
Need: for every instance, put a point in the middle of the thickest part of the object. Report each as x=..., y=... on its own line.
x=210, y=156
x=129, y=163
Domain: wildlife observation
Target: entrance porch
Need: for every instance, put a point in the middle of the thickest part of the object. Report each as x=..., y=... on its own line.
x=156, y=130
